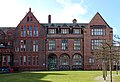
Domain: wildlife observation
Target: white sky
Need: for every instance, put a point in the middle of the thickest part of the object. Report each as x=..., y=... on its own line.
x=62, y=11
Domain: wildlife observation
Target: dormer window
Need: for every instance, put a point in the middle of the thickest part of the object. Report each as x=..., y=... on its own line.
x=76, y=31
x=64, y=31
x=52, y=31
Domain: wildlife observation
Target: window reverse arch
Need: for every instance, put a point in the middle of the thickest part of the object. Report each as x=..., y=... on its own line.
x=77, y=59
x=64, y=59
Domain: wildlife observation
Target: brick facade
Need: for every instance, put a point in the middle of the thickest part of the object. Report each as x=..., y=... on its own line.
x=52, y=46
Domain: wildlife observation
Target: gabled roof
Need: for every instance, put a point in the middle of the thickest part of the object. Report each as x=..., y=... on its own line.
x=76, y=25
x=80, y=25
x=6, y=29
x=64, y=25
x=29, y=14
x=98, y=20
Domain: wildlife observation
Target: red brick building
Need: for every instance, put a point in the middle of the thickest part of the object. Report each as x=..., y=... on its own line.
x=53, y=46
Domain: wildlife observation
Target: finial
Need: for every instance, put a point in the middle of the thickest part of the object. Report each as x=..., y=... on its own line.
x=30, y=9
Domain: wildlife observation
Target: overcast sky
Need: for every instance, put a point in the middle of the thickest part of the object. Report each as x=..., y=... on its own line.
x=62, y=11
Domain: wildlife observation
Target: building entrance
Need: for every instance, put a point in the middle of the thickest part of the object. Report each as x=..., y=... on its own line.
x=52, y=62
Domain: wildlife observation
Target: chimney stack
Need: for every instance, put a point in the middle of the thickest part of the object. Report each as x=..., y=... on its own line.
x=74, y=21
x=49, y=19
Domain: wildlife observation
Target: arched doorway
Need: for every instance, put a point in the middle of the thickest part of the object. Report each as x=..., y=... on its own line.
x=52, y=62
x=64, y=62
x=77, y=61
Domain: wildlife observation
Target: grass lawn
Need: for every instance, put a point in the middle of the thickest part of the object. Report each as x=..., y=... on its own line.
x=117, y=78
x=51, y=76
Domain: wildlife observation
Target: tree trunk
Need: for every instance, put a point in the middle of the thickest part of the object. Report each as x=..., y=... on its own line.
x=106, y=69
x=117, y=68
x=104, y=72
x=110, y=67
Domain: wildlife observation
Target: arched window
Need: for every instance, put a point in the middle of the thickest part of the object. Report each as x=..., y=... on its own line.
x=52, y=62
x=30, y=18
x=27, y=19
x=77, y=59
x=64, y=59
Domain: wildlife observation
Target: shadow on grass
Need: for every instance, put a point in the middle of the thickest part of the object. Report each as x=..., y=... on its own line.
x=26, y=77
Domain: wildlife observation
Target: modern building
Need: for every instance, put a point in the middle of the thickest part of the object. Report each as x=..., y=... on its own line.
x=53, y=46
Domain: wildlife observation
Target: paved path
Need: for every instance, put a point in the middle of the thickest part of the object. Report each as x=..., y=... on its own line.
x=100, y=78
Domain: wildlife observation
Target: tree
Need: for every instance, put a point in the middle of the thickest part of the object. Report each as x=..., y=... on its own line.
x=108, y=54
x=117, y=60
